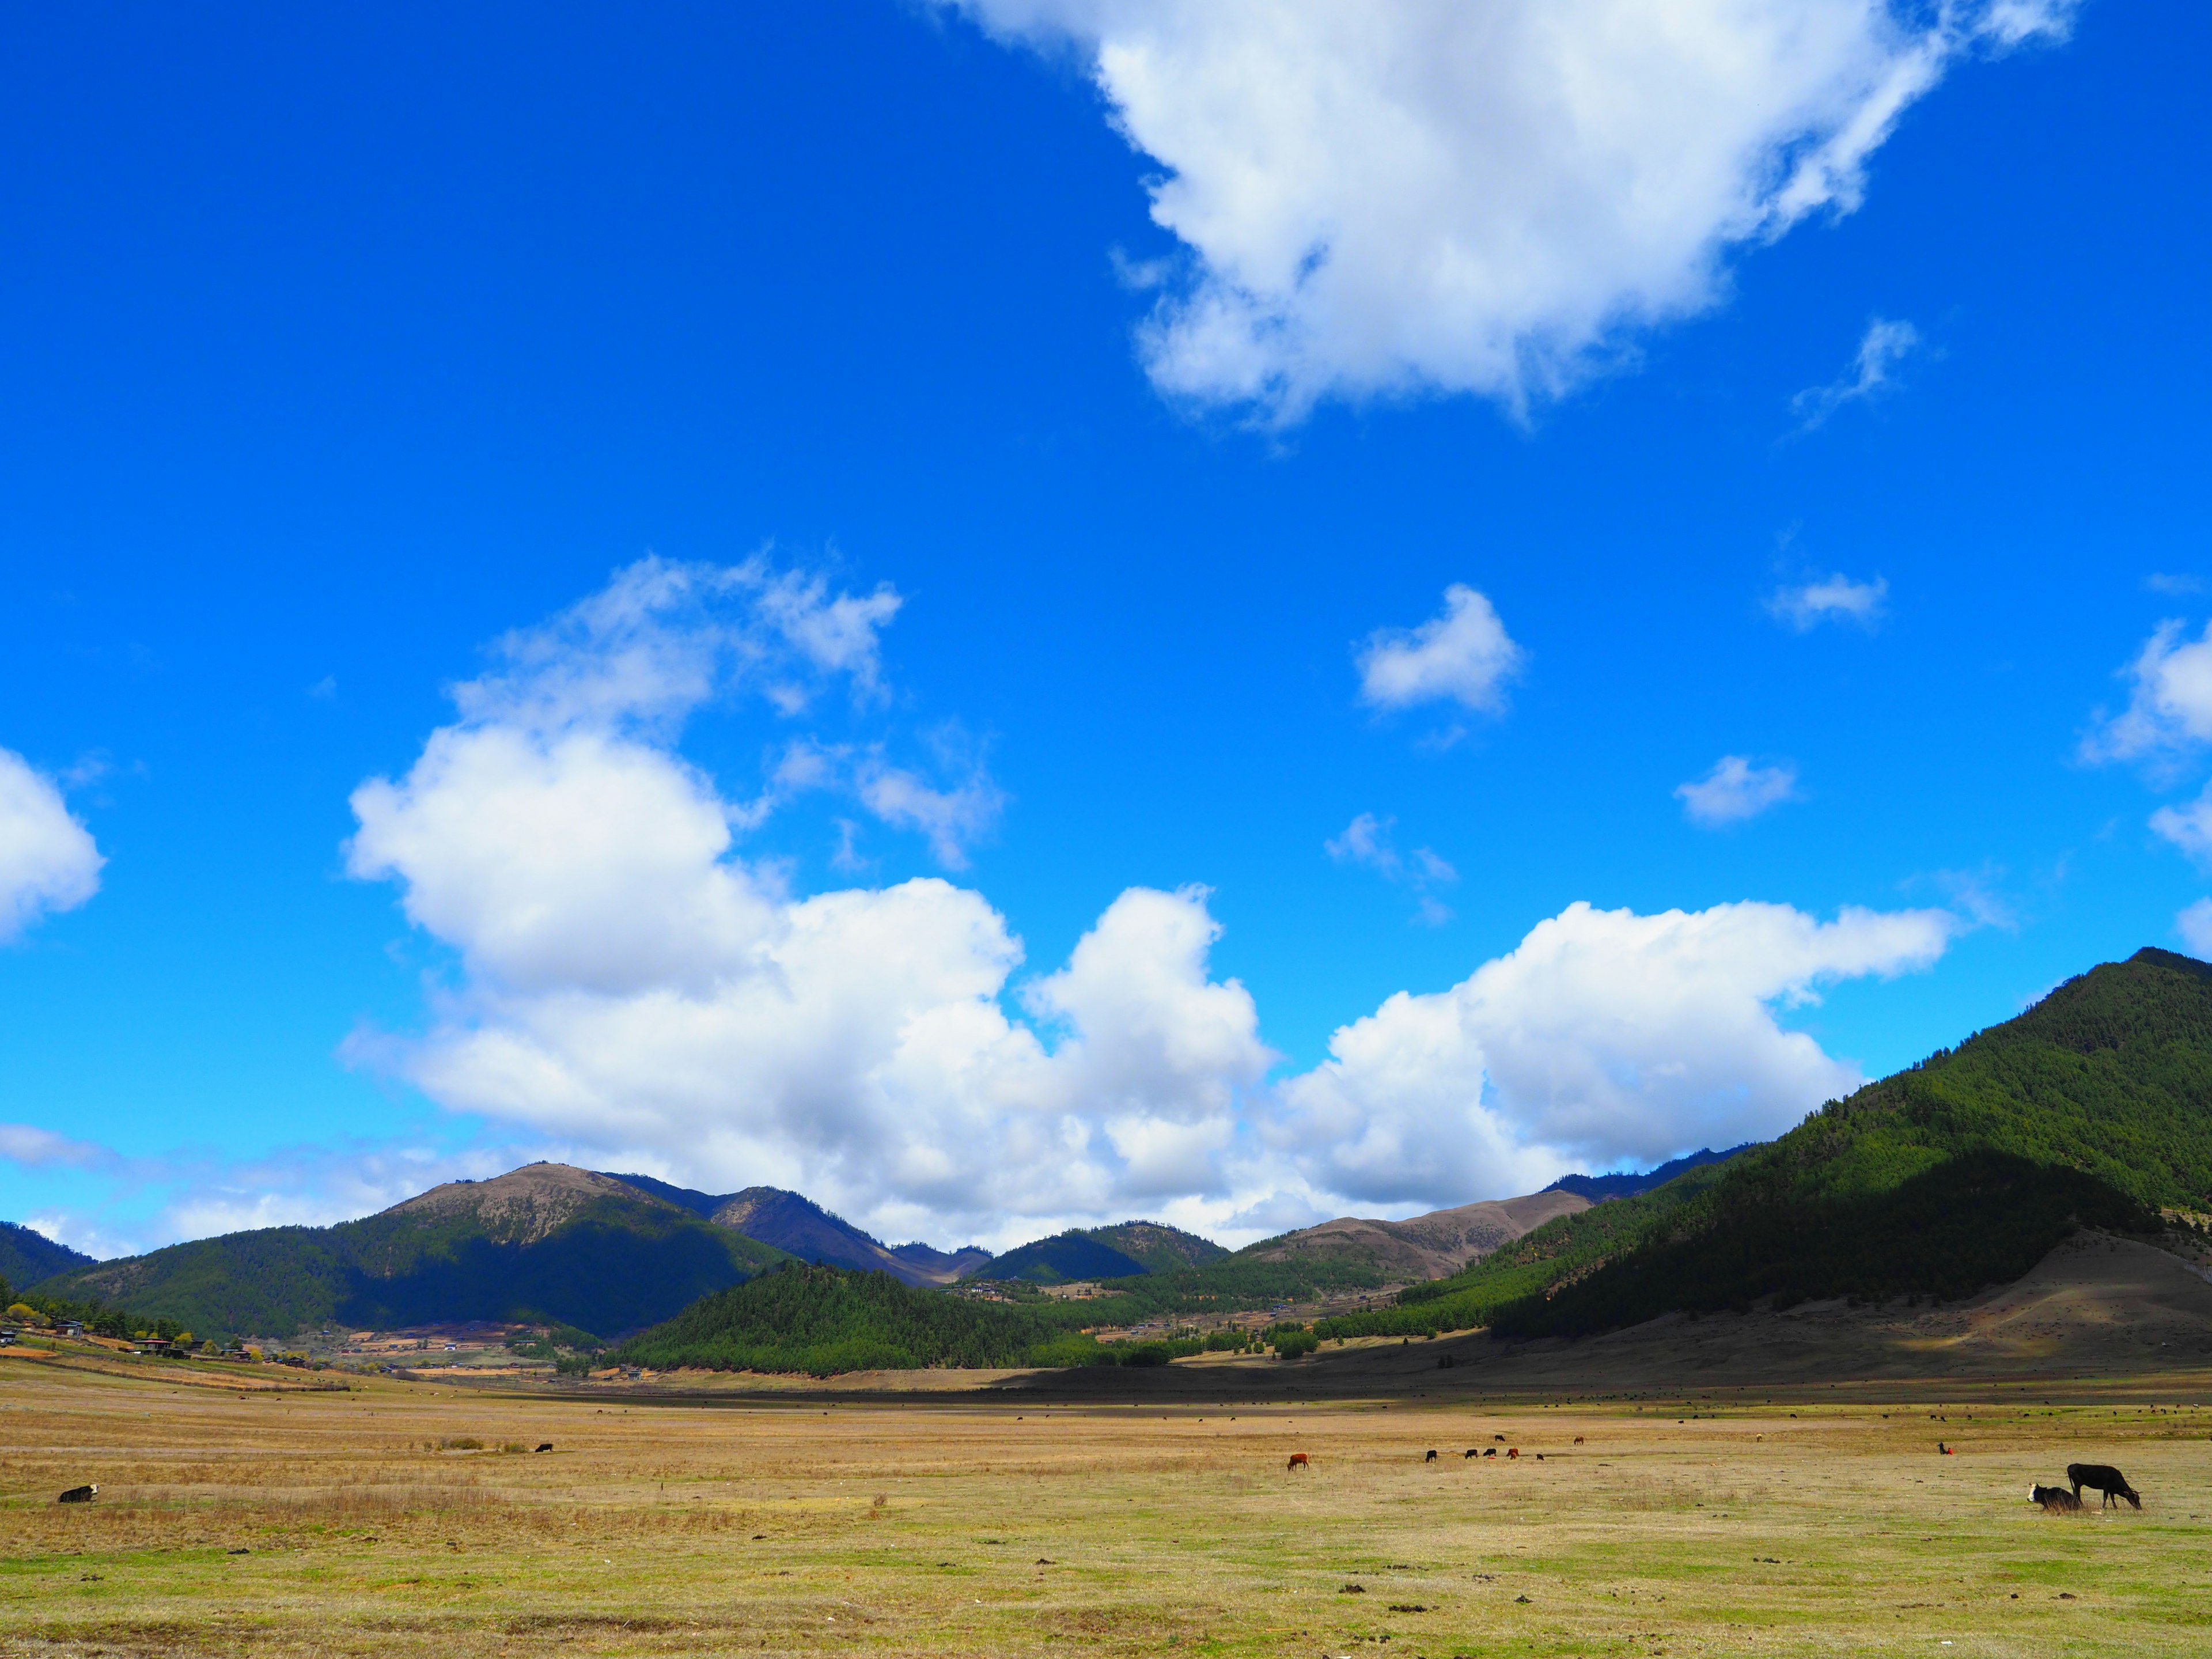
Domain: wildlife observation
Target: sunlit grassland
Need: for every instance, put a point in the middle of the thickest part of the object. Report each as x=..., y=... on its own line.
x=1006, y=1528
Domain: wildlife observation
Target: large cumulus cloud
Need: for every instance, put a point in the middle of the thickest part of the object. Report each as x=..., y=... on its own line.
x=1427, y=194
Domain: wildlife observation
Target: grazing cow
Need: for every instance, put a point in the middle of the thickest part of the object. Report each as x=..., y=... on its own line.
x=2104, y=1478
x=2055, y=1500
x=1513, y=1451
x=1471, y=1452
x=77, y=1495
x=1578, y=1440
x=1297, y=1461
x=545, y=1445
x=1432, y=1457
x=1489, y=1451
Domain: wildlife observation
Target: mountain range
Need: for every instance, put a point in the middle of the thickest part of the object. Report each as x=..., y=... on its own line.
x=541, y=1243
x=2093, y=1109
x=796, y=1224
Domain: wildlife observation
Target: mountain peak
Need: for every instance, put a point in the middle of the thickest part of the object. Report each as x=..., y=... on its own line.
x=524, y=1205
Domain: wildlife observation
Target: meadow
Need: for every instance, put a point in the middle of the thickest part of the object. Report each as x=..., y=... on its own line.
x=399, y=1518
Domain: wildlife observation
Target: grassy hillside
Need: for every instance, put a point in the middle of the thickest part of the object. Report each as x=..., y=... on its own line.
x=822, y=1320
x=544, y=1243
x=2094, y=1107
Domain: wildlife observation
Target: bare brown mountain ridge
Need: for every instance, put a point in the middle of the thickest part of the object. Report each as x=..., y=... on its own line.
x=1423, y=1247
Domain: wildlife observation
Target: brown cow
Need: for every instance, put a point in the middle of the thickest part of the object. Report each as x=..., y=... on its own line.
x=1297, y=1461
x=1513, y=1451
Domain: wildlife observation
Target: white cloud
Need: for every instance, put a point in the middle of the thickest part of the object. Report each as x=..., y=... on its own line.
x=1462, y=655
x=628, y=982
x=1881, y=347
x=2174, y=586
x=1837, y=599
x=47, y=859
x=2188, y=826
x=2194, y=924
x=1605, y=1036
x=1735, y=790
x=1417, y=195
x=2169, y=709
x=630, y=988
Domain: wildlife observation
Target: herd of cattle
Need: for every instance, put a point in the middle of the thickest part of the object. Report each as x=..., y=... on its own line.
x=2055, y=1500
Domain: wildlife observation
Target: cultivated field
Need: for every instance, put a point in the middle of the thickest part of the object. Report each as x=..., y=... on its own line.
x=365, y=1521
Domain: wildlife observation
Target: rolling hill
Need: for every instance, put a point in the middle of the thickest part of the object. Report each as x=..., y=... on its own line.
x=822, y=1319
x=796, y=1224
x=1061, y=1260
x=1122, y=1251
x=545, y=1242
x=26, y=1257
x=1160, y=1248
x=2093, y=1109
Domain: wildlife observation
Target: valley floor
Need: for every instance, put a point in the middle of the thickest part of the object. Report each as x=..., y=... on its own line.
x=388, y=1520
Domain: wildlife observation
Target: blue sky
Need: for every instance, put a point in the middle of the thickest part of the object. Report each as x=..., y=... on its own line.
x=1050, y=452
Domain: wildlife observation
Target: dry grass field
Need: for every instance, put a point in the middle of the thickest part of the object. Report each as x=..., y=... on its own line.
x=367, y=1521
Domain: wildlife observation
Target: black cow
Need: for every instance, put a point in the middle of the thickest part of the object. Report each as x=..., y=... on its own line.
x=1471, y=1452
x=2055, y=1500
x=1432, y=1457
x=77, y=1495
x=546, y=1446
x=2104, y=1478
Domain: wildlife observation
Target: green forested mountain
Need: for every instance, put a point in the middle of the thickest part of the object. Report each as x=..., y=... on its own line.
x=1122, y=1251
x=1159, y=1247
x=824, y=1319
x=547, y=1241
x=26, y=1257
x=2094, y=1107
x=1061, y=1260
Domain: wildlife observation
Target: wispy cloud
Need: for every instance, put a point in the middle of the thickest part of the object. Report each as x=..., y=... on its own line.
x=34, y=1148
x=2173, y=585
x=1366, y=840
x=1735, y=790
x=1805, y=605
x=1883, y=346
